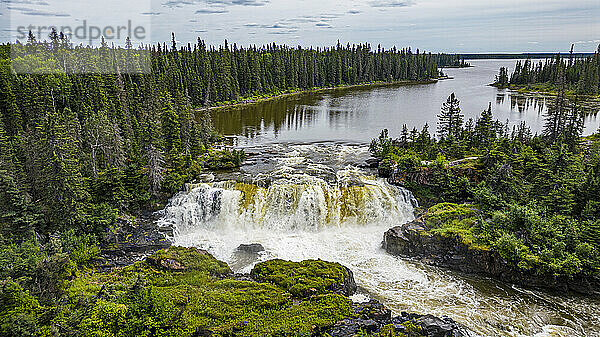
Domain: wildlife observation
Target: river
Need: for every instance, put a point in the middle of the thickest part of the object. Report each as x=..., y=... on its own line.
x=305, y=193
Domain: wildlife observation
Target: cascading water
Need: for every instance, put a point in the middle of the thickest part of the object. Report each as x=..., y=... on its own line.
x=308, y=202
x=296, y=203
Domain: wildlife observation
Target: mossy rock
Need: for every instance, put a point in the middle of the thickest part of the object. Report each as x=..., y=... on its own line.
x=458, y=221
x=306, y=278
x=187, y=292
x=188, y=259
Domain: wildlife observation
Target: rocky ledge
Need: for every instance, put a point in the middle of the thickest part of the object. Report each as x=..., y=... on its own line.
x=187, y=292
x=414, y=240
x=132, y=240
x=374, y=318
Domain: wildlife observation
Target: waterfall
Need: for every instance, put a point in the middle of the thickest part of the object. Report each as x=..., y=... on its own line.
x=294, y=202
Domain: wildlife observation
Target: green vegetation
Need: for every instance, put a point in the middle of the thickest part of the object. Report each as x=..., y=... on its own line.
x=91, y=135
x=224, y=159
x=451, y=61
x=533, y=199
x=575, y=75
x=175, y=292
x=304, y=278
x=459, y=221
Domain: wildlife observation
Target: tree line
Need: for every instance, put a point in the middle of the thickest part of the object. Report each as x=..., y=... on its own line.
x=580, y=75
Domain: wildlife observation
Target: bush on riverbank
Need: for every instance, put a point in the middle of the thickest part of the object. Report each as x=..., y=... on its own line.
x=537, y=197
x=225, y=159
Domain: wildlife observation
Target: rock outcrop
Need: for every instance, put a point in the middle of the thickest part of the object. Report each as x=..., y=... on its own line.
x=253, y=248
x=374, y=317
x=306, y=278
x=415, y=241
x=132, y=241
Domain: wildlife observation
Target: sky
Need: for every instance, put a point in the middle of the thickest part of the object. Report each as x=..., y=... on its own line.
x=458, y=26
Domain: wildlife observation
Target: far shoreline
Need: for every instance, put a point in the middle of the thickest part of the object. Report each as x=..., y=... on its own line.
x=271, y=97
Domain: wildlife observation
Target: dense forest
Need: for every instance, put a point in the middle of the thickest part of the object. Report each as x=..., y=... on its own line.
x=451, y=61
x=79, y=147
x=579, y=75
x=92, y=135
x=534, y=199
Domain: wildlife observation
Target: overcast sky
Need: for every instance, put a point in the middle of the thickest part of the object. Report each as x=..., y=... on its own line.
x=432, y=25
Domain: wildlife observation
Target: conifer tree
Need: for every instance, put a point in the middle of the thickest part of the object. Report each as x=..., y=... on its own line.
x=450, y=120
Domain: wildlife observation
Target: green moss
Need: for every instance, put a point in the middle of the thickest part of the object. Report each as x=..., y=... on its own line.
x=301, y=279
x=189, y=259
x=456, y=221
x=182, y=291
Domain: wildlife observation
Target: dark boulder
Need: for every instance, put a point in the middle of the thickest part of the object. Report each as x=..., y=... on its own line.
x=374, y=317
x=371, y=163
x=349, y=284
x=372, y=310
x=132, y=241
x=253, y=248
x=246, y=255
x=438, y=327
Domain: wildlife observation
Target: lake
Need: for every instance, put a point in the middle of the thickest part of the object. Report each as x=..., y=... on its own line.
x=357, y=115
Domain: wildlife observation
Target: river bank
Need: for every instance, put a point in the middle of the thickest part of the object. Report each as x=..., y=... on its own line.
x=275, y=298
x=544, y=89
x=287, y=94
x=415, y=240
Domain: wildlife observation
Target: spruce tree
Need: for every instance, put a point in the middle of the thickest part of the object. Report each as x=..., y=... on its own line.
x=450, y=120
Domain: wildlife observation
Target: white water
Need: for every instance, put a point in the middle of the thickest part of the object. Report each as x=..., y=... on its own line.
x=304, y=216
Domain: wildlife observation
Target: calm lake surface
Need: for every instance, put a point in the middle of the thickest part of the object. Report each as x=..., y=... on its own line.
x=358, y=115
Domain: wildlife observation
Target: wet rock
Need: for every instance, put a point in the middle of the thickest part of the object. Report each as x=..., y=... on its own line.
x=349, y=287
x=132, y=241
x=353, y=327
x=372, y=162
x=437, y=327
x=206, y=178
x=243, y=277
x=372, y=310
x=246, y=255
x=172, y=264
x=413, y=240
x=373, y=316
x=253, y=248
